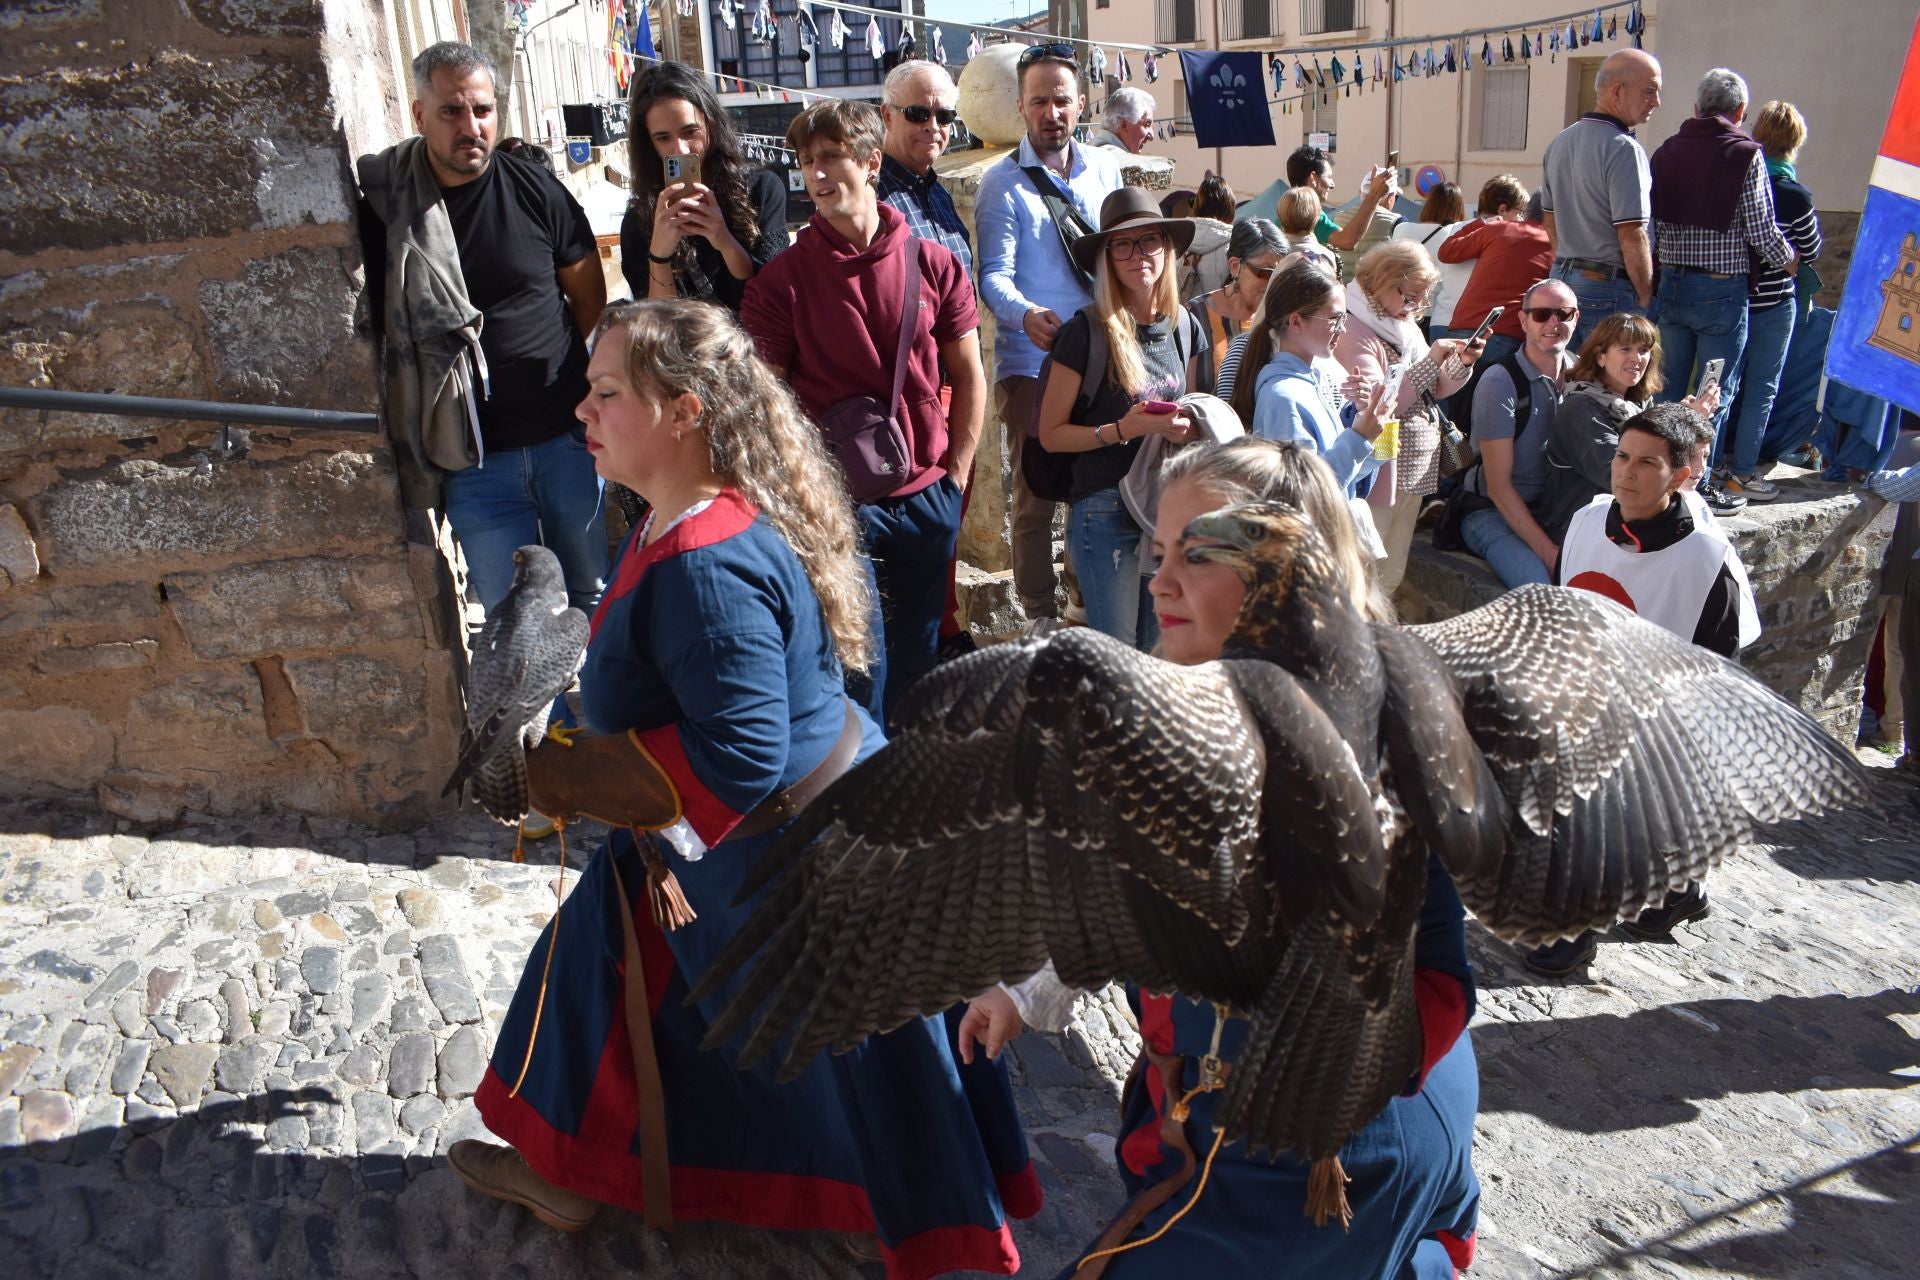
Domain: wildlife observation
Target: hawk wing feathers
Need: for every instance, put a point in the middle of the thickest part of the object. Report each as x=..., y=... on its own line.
x=1630, y=760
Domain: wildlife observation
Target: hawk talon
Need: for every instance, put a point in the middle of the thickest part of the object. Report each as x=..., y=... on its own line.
x=563, y=736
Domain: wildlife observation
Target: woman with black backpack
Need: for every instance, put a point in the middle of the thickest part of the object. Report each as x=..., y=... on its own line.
x=1114, y=373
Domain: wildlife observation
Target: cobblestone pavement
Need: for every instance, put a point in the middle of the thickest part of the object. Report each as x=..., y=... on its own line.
x=242, y=1048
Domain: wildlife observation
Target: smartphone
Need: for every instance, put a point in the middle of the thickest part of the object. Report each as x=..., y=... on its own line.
x=1710, y=376
x=1160, y=406
x=1396, y=374
x=1393, y=161
x=1486, y=326
x=682, y=168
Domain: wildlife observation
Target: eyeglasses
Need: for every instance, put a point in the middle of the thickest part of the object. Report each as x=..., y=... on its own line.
x=1262, y=274
x=920, y=115
x=1150, y=245
x=1541, y=315
x=1058, y=51
x=1336, y=320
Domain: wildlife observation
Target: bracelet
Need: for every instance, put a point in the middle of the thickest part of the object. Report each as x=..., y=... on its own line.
x=1118, y=438
x=653, y=257
x=1098, y=428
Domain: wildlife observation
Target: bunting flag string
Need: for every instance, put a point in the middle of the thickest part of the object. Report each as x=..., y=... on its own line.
x=1570, y=30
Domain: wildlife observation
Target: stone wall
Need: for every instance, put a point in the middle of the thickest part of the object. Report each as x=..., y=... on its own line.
x=1814, y=558
x=182, y=627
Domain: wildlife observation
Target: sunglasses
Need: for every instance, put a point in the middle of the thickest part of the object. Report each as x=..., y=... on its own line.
x=1056, y=52
x=1543, y=314
x=1336, y=321
x=920, y=115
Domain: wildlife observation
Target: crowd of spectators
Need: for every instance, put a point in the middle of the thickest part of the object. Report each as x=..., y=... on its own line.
x=1569, y=383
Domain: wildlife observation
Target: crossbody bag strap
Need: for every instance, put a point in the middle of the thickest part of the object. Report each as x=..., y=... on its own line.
x=1068, y=221
x=909, y=313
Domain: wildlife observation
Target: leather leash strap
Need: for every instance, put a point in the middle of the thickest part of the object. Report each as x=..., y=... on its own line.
x=649, y=1101
x=1173, y=1133
x=777, y=809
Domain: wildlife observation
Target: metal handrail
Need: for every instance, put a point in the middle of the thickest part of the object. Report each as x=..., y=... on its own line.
x=261, y=415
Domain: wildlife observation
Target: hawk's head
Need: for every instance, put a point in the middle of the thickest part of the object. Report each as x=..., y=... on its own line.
x=1283, y=560
x=537, y=570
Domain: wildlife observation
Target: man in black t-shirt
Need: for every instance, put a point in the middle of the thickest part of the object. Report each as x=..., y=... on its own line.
x=529, y=264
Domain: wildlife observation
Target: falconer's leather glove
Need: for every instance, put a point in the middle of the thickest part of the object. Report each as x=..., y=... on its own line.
x=607, y=778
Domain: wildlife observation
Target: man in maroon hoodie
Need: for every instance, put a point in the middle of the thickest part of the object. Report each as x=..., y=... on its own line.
x=1712, y=205
x=826, y=315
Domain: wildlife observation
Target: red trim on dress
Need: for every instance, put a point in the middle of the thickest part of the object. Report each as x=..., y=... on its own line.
x=1141, y=1150
x=729, y=513
x=1442, y=1002
x=944, y=1249
x=1020, y=1193
x=1461, y=1251
x=710, y=817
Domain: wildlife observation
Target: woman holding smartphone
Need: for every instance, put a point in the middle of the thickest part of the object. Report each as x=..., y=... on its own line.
x=705, y=231
x=1149, y=341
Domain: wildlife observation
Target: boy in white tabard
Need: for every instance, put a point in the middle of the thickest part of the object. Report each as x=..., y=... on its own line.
x=1648, y=546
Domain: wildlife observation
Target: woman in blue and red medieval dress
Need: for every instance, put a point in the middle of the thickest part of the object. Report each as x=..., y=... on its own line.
x=714, y=679
x=1241, y=1216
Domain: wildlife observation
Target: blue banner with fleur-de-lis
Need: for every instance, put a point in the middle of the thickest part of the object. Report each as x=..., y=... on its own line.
x=1228, y=99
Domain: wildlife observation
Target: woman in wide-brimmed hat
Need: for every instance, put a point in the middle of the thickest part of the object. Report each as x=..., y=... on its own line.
x=1112, y=368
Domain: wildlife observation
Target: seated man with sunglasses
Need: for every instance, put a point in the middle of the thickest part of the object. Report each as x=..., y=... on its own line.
x=1497, y=522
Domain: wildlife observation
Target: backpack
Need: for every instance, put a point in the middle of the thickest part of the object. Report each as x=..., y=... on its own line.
x=1469, y=495
x=1522, y=394
x=1049, y=476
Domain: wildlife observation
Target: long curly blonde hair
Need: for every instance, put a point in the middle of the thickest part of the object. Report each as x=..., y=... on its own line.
x=760, y=442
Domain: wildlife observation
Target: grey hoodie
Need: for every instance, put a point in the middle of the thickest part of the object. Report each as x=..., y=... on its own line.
x=1580, y=446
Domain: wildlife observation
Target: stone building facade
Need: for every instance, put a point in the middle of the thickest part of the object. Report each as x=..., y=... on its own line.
x=184, y=627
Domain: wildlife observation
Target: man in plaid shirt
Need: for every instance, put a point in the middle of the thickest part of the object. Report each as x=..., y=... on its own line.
x=917, y=109
x=1712, y=203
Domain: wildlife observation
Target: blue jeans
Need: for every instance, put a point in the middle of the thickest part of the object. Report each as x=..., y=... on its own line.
x=545, y=493
x=909, y=541
x=1598, y=299
x=1486, y=534
x=1752, y=387
x=1702, y=318
x=1104, y=543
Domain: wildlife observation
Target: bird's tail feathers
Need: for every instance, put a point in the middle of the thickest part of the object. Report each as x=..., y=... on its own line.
x=1320, y=1061
x=475, y=743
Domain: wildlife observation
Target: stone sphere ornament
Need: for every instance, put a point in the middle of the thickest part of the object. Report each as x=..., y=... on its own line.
x=989, y=102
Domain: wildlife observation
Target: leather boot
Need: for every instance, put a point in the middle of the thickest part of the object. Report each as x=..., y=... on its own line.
x=607, y=778
x=500, y=1172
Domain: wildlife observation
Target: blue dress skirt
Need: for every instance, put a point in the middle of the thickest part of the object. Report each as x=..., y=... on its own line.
x=1413, y=1192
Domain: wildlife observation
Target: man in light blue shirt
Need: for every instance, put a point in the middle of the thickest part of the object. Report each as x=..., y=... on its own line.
x=1029, y=282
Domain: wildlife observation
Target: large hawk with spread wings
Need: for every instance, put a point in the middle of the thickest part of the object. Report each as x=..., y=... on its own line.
x=1255, y=831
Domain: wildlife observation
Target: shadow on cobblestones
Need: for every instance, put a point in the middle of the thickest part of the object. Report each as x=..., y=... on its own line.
x=1781, y=1044
x=1876, y=1195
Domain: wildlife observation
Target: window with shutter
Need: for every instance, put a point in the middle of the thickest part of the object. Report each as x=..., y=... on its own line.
x=1503, y=108
x=1317, y=17
x=1177, y=21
